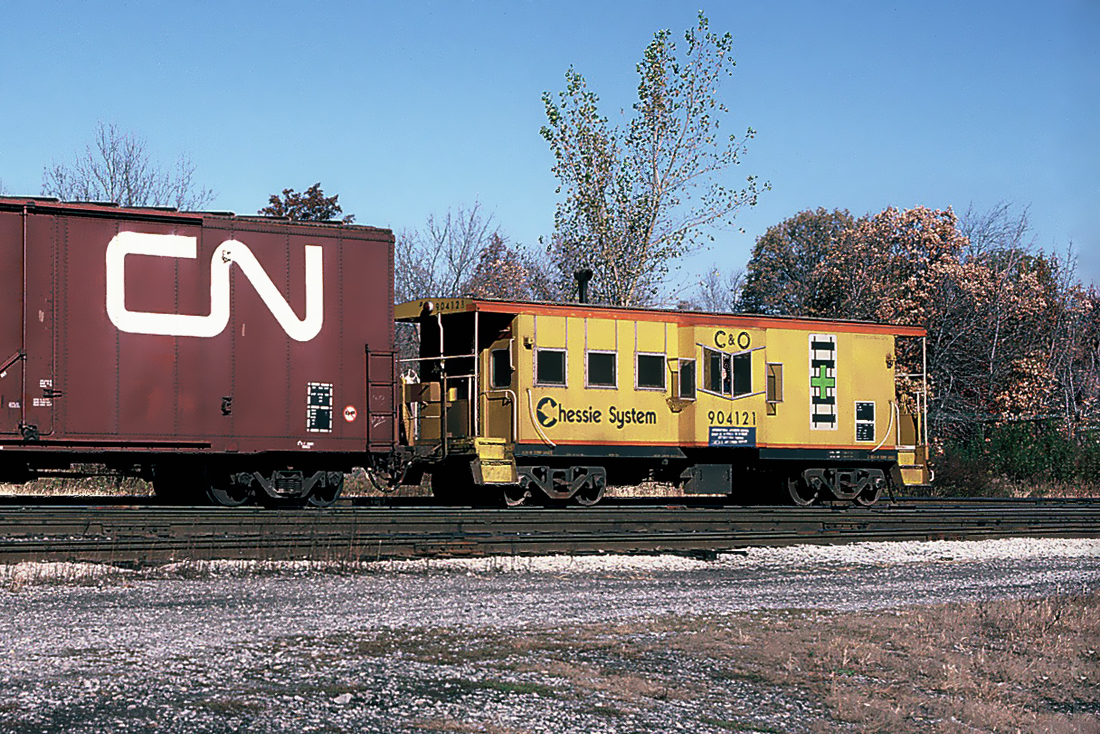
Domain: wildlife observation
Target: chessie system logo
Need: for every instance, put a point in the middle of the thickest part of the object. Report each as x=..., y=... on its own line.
x=550, y=413
x=228, y=253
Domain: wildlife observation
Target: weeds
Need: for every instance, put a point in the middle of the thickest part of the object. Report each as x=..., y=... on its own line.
x=990, y=666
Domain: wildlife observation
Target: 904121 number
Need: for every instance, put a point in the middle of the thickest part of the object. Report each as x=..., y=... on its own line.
x=732, y=418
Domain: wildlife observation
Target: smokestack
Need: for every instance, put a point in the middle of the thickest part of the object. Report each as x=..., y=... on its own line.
x=582, y=276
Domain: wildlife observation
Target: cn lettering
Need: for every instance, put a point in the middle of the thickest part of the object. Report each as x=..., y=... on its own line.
x=228, y=253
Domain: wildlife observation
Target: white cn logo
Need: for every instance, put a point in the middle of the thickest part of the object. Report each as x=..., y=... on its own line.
x=229, y=252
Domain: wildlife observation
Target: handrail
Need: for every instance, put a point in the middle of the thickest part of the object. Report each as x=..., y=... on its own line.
x=534, y=421
x=13, y=359
x=507, y=392
x=886, y=435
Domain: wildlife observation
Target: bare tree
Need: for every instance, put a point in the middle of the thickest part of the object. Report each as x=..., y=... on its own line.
x=996, y=229
x=117, y=167
x=439, y=259
x=717, y=291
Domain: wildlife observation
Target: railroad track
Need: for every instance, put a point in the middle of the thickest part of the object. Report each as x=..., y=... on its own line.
x=137, y=535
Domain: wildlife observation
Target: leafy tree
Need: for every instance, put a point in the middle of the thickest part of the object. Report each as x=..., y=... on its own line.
x=509, y=273
x=310, y=205
x=117, y=167
x=638, y=198
x=784, y=270
x=887, y=267
x=1013, y=337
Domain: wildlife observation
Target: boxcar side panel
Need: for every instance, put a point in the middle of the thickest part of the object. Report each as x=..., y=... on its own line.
x=192, y=332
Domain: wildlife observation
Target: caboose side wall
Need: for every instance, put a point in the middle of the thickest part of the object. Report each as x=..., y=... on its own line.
x=864, y=373
x=95, y=382
x=581, y=411
x=554, y=417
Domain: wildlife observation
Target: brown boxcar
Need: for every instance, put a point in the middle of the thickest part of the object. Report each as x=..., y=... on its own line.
x=249, y=356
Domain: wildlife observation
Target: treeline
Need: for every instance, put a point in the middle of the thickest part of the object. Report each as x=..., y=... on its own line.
x=1013, y=349
x=1013, y=335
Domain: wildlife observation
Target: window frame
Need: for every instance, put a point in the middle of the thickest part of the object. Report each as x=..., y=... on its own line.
x=614, y=385
x=745, y=358
x=637, y=371
x=680, y=379
x=773, y=386
x=493, y=368
x=724, y=366
x=729, y=383
x=539, y=381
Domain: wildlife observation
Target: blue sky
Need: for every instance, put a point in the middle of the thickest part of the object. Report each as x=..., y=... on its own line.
x=407, y=109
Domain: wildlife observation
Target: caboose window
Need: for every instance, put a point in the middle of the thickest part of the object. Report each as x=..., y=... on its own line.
x=727, y=374
x=687, y=380
x=742, y=374
x=601, y=369
x=550, y=367
x=716, y=369
x=651, y=371
x=502, y=369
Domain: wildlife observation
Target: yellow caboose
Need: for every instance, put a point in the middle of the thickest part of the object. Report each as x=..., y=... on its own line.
x=545, y=401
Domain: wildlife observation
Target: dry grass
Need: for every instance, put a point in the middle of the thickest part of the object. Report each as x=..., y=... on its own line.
x=1006, y=666
x=1059, y=490
x=356, y=484
x=94, y=486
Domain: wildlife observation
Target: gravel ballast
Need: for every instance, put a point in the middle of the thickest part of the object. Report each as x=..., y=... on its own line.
x=500, y=644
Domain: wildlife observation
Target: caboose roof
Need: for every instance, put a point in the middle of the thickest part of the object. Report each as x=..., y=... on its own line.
x=412, y=310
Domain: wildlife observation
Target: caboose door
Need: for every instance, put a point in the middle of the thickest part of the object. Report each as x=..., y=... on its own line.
x=498, y=405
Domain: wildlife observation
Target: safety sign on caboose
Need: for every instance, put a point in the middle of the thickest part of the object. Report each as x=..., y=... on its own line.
x=823, y=381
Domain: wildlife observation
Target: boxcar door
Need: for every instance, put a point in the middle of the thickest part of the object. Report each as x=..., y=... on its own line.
x=41, y=266
x=11, y=322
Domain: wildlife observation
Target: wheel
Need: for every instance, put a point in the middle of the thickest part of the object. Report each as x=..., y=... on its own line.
x=875, y=482
x=515, y=495
x=589, y=494
x=224, y=491
x=325, y=495
x=800, y=493
x=868, y=496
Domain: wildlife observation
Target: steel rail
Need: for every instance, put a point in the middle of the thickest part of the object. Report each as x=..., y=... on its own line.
x=137, y=535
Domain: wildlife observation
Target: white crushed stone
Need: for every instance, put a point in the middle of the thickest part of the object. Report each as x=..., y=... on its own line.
x=860, y=554
x=259, y=646
x=876, y=554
